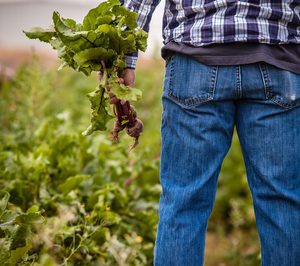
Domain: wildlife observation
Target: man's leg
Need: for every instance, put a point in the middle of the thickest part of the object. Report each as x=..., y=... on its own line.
x=196, y=134
x=269, y=133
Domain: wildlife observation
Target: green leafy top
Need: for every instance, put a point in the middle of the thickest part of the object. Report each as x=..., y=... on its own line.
x=107, y=33
x=100, y=43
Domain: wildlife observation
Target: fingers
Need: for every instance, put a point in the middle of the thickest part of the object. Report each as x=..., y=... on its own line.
x=100, y=76
x=129, y=77
x=126, y=79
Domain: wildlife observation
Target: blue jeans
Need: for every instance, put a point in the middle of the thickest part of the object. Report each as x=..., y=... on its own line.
x=201, y=106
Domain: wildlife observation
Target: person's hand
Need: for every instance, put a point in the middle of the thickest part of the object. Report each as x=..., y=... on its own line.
x=127, y=78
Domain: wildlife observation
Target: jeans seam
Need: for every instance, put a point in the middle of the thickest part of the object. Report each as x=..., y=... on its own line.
x=213, y=81
x=171, y=63
x=238, y=81
x=265, y=78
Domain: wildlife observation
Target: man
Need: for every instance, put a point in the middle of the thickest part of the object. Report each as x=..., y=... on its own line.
x=229, y=63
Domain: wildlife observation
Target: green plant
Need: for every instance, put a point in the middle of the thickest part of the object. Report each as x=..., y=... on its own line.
x=107, y=33
x=99, y=202
x=16, y=231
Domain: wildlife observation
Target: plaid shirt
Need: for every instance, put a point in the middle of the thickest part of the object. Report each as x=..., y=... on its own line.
x=203, y=22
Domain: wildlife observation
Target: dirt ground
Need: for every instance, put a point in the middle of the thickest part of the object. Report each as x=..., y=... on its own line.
x=237, y=249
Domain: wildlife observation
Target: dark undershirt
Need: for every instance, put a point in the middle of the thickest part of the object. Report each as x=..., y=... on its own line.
x=285, y=56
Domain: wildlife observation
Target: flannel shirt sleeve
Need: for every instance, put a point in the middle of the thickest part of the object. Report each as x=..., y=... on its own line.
x=144, y=9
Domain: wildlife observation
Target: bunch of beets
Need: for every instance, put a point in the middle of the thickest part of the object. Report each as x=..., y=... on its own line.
x=100, y=43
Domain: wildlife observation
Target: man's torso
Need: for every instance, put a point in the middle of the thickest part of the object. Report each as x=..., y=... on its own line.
x=203, y=22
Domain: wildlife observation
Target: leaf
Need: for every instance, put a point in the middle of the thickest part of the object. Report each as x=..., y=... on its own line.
x=4, y=197
x=93, y=57
x=19, y=237
x=110, y=218
x=119, y=62
x=33, y=209
x=64, y=53
x=17, y=254
x=106, y=19
x=60, y=24
x=123, y=92
x=112, y=34
x=128, y=43
x=74, y=40
x=30, y=219
x=141, y=40
x=129, y=16
x=4, y=254
x=44, y=35
x=2, y=233
x=7, y=218
x=72, y=182
x=100, y=235
x=100, y=115
x=70, y=23
x=91, y=19
x=47, y=260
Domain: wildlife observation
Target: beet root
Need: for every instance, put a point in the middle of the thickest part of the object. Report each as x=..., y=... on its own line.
x=126, y=118
x=115, y=132
x=135, y=132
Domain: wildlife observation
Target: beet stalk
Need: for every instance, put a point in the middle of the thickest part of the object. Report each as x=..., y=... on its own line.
x=126, y=118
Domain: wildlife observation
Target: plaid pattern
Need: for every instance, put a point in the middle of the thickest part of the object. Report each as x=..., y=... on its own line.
x=204, y=22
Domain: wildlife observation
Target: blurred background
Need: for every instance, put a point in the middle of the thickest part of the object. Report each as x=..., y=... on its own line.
x=99, y=202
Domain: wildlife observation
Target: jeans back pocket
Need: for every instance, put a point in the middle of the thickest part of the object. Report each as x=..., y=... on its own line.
x=189, y=82
x=281, y=86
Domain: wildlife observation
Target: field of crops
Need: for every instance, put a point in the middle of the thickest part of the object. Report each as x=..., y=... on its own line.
x=67, y=199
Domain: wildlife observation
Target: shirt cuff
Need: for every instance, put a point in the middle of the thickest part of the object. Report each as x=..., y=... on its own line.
x=130, y=60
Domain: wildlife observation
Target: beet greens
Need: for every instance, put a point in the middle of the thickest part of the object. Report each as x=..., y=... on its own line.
x=100, y=43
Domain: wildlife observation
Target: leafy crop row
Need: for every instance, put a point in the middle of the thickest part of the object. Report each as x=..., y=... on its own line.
x=73, y=200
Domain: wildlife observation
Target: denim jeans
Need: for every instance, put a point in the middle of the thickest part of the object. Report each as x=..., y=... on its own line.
x=201, y=106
